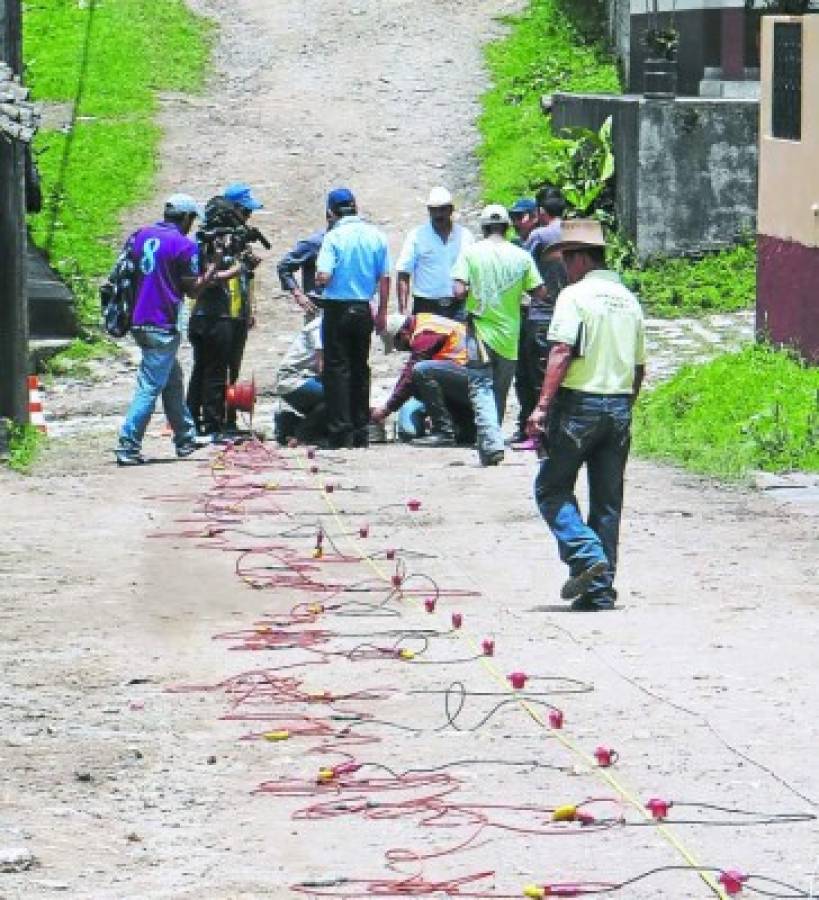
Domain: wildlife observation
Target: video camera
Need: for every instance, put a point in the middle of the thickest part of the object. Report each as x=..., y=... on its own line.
x=223, y=225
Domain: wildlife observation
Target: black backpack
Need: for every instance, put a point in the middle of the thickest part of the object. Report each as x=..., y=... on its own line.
x=118, y=293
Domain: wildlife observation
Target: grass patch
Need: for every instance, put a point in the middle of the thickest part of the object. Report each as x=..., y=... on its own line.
x=76, y=359
x=719, y=282
x=25, y=442
x=109, y=59
x=555, y=45
x=753, y=410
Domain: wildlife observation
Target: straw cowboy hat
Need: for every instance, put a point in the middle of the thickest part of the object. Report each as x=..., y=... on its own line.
x=577, y=234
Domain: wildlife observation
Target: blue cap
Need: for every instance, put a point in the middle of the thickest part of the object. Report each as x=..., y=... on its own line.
x=242, y=195
x=522, y=206
x=340, y=197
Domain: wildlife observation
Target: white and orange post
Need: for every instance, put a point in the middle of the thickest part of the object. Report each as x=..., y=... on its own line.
x=36, y=416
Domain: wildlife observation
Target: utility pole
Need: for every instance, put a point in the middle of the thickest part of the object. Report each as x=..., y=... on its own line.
x=13, y=238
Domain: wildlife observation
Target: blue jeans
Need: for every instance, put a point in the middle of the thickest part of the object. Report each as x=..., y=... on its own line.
x=596, y=430
x=307, y=396
x=489, y=383
x=410, y=420
x=159, y=375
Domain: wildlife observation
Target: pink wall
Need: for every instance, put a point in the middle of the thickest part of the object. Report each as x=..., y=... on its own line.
x=787, y=310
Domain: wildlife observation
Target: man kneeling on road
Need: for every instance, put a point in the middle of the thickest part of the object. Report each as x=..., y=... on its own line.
x=593, y=377
x=167, y=266
x=435, y=374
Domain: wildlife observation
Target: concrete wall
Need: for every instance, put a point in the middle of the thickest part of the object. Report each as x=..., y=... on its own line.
x=686, y=168
x=697, y=164
x=619, y=12
x=788, y=296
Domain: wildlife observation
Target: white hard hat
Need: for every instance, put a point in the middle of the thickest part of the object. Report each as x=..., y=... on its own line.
x=439, y=196
x=395, y=323
x=494, y=214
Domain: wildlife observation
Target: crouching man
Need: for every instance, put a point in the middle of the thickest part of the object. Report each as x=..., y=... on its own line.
x=299, y=385
x=435, y=374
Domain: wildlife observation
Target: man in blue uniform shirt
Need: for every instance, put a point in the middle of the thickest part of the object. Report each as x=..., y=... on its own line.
x=353, y=263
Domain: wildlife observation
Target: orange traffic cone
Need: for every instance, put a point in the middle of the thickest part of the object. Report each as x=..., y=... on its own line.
x=35, y=405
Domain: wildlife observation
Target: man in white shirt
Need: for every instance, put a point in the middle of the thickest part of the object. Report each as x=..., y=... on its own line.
x=427, y=257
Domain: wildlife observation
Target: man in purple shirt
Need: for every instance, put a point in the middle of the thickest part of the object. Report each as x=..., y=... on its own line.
x=167, y=266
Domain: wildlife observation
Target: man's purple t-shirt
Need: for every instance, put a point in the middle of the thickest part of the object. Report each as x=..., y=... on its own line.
x=164, y=256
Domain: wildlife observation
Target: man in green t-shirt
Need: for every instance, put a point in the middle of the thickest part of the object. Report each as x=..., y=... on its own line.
x=593, y=377
x=493, y=275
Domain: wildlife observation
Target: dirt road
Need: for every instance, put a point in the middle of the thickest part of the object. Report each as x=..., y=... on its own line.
x=121, y=789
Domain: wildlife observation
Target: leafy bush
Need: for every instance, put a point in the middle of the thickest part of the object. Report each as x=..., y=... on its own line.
x=756, y=409
x=555, y=45
x=25, y=442
x=719, y=282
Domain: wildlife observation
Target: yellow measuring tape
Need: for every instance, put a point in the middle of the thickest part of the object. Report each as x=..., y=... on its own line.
x=492, y=670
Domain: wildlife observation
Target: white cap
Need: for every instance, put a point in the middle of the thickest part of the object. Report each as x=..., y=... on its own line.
x=183, y=203
x=494, y=214
x=439, y=196
x=395, y=323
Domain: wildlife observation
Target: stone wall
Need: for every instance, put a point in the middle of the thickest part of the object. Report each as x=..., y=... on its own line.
x=686, y=167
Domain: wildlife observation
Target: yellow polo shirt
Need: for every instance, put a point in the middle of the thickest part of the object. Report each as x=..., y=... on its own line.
x=602, y=318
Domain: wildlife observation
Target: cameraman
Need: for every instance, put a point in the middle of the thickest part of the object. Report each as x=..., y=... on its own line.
x=222, y=315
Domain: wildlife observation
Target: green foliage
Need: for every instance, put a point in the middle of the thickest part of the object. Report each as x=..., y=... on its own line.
x=25, y=442
x=756, y=409
x=583, y=168
x=76, y=358
x=109, y=59
x=555, y=45
x=719, y=282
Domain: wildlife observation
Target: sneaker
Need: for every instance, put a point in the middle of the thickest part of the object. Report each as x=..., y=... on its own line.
x=436, y=439
x=129, y=457
x=593, y=604
x=185, y=450
x=576, y=585
x=493, y=459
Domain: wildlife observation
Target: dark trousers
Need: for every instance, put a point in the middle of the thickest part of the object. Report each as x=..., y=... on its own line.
x=443, y=388
x=533, y=354
x=346, y=331
x=238, y=339
x=448, y=307
x=596, y=430
x=212, y=342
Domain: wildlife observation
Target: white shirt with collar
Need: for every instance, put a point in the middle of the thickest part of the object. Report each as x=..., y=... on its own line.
x=428, y=260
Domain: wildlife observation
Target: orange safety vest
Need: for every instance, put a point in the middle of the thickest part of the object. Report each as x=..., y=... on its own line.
x=454, y=350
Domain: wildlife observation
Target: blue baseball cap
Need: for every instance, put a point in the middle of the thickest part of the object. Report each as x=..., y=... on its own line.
x=340, y=197
x=522, y=206
x=242, y=195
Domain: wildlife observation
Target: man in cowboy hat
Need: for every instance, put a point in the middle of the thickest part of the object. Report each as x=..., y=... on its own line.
x=427, y=257
x=595, y=370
